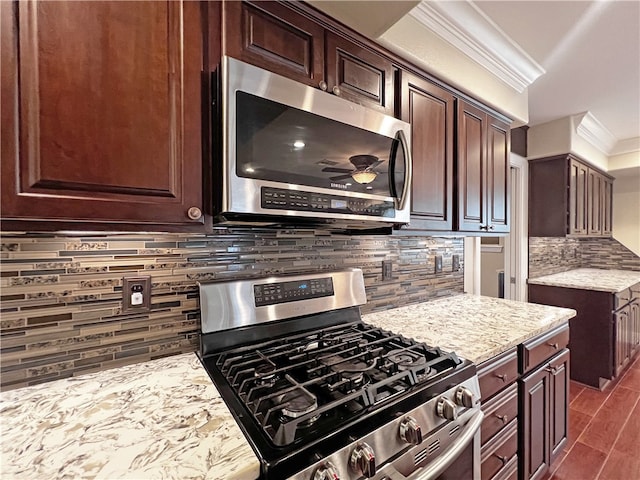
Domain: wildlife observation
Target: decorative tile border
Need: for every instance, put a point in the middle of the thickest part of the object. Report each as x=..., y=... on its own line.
x=61, y=295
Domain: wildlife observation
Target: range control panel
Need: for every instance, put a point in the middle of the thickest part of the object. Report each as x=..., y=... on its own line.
x=281, y=199
x=282, y=292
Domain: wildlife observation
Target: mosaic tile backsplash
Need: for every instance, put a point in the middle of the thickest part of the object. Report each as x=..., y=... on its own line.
x=61, y=310
x=549, y=255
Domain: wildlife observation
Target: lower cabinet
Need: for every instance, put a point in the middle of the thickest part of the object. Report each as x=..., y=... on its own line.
x=544, y=396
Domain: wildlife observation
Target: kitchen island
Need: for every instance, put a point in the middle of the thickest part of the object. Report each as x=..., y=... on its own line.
x=165, y=419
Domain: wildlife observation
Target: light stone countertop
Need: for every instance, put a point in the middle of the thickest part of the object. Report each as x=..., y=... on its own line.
x=613, y=281
x=474, y=327
x=162, y=419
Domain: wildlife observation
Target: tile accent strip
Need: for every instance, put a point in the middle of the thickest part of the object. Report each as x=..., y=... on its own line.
x=61, y=310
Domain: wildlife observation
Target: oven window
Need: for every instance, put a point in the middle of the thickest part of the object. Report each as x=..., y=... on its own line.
x=279, y=143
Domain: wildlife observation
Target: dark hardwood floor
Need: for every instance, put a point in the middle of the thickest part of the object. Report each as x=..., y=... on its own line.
x=604, y=432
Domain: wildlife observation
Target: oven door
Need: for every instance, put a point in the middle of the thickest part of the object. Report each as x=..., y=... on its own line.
x=461, y=459
x=290, y=149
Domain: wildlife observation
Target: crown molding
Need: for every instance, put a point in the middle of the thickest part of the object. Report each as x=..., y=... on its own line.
x=468, y=29
x=594, y=132
x=628, y=145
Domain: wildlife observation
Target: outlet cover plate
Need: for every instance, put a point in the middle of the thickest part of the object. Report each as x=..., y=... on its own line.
x=387, y=269
x=438, y=263
x=455, y=263
x=143, y=285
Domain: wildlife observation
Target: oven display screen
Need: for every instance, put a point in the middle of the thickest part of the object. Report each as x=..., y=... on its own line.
x=283, y=292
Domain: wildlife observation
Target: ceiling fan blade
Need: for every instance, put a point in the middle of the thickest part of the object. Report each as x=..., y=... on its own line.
x=336, y=170
x=339, y=177
x=374, y=164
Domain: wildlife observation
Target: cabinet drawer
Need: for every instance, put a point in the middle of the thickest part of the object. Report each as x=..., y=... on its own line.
x=496, y=374
x=500, y=451
x=509, y=471
x=498, y=412
x=536, y=351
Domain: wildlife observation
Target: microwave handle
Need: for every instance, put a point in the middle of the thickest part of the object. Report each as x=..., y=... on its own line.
x=402, y=198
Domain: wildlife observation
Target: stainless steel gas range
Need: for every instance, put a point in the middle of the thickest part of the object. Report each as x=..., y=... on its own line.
x=320, y=395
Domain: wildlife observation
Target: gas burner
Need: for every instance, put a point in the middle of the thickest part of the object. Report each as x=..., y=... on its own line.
x=297, y=402
x=263, y=374
x=406, y=359
x=352, y=365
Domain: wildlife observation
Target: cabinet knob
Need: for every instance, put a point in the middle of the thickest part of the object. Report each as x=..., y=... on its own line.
x=491, y=227
x=503, y=418
x=336, y=90
x=323, y=85
x=502, y=376
x=503, y=459
x=553, y=345
x=194, y=213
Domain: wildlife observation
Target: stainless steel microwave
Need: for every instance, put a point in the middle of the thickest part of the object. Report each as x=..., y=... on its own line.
x=295, y=153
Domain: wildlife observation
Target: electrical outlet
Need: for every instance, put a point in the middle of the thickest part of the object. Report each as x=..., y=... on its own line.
x=438, y=263
x=387, y=269
x=136, y=294
x=455, y=263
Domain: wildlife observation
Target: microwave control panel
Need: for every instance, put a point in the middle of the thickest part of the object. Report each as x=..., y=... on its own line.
x=281, y=199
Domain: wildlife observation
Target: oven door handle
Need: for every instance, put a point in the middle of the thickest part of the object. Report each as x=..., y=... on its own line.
x=446, y=458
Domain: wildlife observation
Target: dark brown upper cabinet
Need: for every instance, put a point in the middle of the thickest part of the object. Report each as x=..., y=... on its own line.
x=567, y=197
x=102, y=113
x=482, y=171
x=430, y=110
x=279, y=39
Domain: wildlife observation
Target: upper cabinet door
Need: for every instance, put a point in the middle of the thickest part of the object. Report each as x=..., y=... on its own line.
x=578, y=188
x=595, y=199
x=359, y=75
x=498, y=176
x=102, y=112
x=607, y=214
x=430, y=110
x=272, y=36
x=472, y=168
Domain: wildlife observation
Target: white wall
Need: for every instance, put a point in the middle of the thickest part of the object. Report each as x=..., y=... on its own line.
x=492, y=261
x=626, y=208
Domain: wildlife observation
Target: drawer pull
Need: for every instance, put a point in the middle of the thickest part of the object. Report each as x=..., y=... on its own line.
x=553, y=345
x=502, y=376
x=553, y=370
x=503, y=459
x=504, y=418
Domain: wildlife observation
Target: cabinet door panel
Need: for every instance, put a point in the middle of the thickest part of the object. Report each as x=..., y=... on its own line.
x=102, y=135
x=271, y=36
x=534, y=416
x=559, y=399
x=361, y=75
x=607, y=213
x=430, y=111
x=498, y=176
x=471, y=168
x=595, y=198
x=578, y=182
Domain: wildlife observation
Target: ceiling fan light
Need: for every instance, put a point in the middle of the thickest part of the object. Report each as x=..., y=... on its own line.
x=364, y=177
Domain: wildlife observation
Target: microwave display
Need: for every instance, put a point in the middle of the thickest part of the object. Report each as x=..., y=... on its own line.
x=280, y=143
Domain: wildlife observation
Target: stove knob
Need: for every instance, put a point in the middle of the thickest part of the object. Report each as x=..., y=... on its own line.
x=410, y=431
x=363, y=460
x=464, y=397
x=446, y=409
x=326, y=472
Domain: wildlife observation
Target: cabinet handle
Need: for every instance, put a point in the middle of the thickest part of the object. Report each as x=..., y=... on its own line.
x=502, y=376
x=504, y=418
x=323, y=85
x=552, y=369
x=336, y=90
x=484, y=227
x=194, y=213
x=502, y=458
x=491, y=227
x=553, y=345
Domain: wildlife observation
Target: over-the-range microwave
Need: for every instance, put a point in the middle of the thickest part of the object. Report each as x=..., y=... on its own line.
x=294, y=154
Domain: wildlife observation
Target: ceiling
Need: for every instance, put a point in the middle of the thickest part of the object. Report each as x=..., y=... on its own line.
x=589, y=51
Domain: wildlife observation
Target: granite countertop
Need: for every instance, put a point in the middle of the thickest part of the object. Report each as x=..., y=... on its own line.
x=613, y=281
x=474, y=327
x=161, y=419
x=164, y=419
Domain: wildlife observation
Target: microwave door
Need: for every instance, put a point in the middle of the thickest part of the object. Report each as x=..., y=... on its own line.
x=400, y=171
